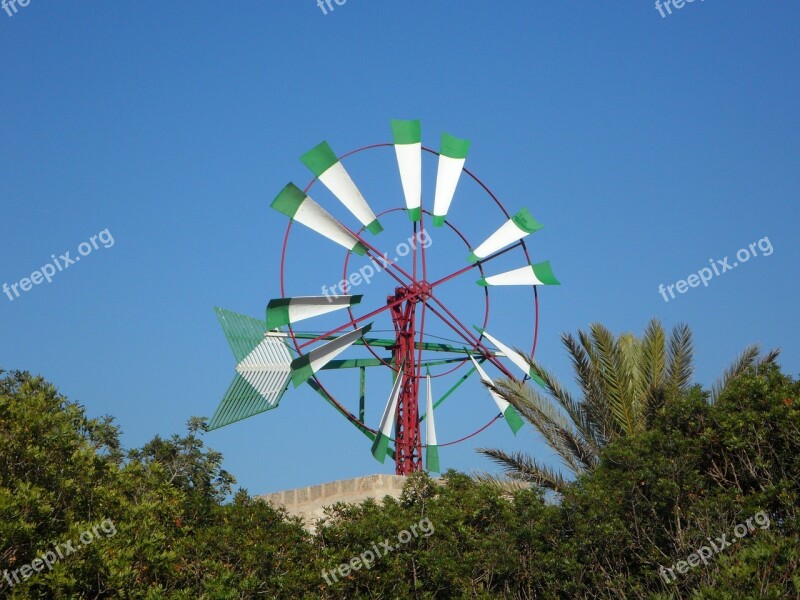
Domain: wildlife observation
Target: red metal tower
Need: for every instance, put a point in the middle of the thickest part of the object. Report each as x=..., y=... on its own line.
x=408, y=445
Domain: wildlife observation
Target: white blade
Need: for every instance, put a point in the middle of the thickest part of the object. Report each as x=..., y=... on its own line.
x=452, y=157
x=501, y=404
x=304, y=367
x=322, y=161
x=407, y=137
x=536, y=274
x=284, y=311
x=296, y=205
x=430, y=428
x=517, y=227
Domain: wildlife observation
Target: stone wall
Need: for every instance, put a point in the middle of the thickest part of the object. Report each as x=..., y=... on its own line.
x=308, y=502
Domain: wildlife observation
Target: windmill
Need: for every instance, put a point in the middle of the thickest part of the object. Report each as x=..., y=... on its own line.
x=274, y=353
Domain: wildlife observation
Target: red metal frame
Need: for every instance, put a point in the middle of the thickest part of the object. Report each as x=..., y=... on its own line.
x=408, y=443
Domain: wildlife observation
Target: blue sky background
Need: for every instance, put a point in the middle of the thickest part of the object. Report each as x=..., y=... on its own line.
x=645, y=145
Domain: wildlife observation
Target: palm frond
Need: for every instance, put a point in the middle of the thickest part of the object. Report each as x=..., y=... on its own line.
x=680, y=358
x=594, y=403
x=748, y=358
x=653, y=364
x=504, y=484
x=576, y=411
x=586, y=454
x=540, y=413
x=611, y=376
x=629, y=350
x=522, y=467
x=769, y=358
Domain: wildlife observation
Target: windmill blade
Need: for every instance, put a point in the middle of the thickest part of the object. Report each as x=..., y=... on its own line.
x=509, y=412
x=534, y=274
x=452, y=156
x=322, y=161
x=296, y=205
x=513, y=356
x=263, y=369
x=285, y=311
x=304, y=367
x=407, y=136
x=517, y=227
x=432, y=446
x=380, y=447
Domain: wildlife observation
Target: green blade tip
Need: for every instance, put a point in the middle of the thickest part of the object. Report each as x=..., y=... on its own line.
x=288, y=201
x=525, y=221
x=544, y=273
x=454, y=147
x=359, y=249
x=375, y=227
x=513, y=419
x=406, y=132
x=320, y=158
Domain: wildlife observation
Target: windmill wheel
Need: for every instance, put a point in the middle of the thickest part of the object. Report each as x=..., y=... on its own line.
x=406, y=282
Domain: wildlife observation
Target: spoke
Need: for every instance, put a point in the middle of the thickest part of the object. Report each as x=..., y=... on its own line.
x=414, y=254
x=394, y=275
x=468, y=336
x=366, y=244
x=422, y=249
x=357, y=320
x=421, y=340
x=385, y=261
x=470, y=267
x=449, y=392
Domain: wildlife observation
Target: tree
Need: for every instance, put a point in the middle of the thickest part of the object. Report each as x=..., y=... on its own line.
x=623, y=382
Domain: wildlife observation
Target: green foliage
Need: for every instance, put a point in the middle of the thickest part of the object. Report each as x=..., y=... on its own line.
x=62, y=473
x=652, y=499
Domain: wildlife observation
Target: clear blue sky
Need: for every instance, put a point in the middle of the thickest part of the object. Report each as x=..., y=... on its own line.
x=646, y=146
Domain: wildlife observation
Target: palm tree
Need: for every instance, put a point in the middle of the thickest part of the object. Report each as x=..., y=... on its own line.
x=623, y=381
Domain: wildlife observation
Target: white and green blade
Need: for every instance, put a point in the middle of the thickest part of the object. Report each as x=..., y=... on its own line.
x=304, y=367
x=512, y=355
x=533, y=274
x=263, y=369
x=286, y=311
x=322, y=161
x=452, y=156
x=407, y=137
x=517, y=227
x=510, y=413
x=432, y=446
x=298, y=206
x=380, y=446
